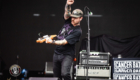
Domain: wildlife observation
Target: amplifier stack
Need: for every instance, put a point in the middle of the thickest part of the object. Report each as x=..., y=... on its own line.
x=98, y=65
x=94, y=58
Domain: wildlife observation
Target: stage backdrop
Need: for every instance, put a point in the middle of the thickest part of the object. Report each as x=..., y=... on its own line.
x=127, y=48
x=22, y=20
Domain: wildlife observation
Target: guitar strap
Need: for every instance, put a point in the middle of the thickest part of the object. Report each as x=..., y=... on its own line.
x=65, y=33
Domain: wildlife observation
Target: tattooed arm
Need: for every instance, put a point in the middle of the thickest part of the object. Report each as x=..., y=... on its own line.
x=68, y=9
x=60, y=42
x=57, y=42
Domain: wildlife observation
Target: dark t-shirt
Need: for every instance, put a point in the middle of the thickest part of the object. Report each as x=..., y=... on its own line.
x=72, y=35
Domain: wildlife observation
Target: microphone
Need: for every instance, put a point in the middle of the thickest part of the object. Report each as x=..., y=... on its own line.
x=90, y=12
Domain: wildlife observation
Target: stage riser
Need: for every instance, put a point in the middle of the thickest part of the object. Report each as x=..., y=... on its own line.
x=42, y=78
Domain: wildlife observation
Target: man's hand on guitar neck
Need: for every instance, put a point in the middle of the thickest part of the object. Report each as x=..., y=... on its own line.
x=49, y=41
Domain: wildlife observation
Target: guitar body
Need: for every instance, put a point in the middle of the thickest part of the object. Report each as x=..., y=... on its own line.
x=43, y=39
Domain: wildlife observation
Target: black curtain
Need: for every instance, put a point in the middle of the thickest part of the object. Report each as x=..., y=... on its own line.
x=128, y=47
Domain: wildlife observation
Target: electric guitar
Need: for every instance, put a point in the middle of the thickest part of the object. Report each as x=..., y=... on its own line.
x=43, y=37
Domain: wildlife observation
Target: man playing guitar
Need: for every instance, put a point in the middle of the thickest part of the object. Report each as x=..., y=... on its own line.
x=67, y=37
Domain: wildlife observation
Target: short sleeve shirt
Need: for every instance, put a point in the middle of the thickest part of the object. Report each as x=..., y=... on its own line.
x=72, y=35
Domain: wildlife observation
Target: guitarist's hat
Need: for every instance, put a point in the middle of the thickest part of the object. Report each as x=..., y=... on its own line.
x=77, y=13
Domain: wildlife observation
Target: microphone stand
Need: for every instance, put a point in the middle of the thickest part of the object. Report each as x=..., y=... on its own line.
x=88, y=46
x=17, y=59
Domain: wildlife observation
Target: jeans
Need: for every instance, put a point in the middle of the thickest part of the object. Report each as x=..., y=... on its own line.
x=62, y=65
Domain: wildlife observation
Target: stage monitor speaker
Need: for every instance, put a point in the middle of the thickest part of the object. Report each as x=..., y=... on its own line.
x=42, y=78
x=49, y=68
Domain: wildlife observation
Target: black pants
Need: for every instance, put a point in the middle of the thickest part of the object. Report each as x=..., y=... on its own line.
x=62, y=65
